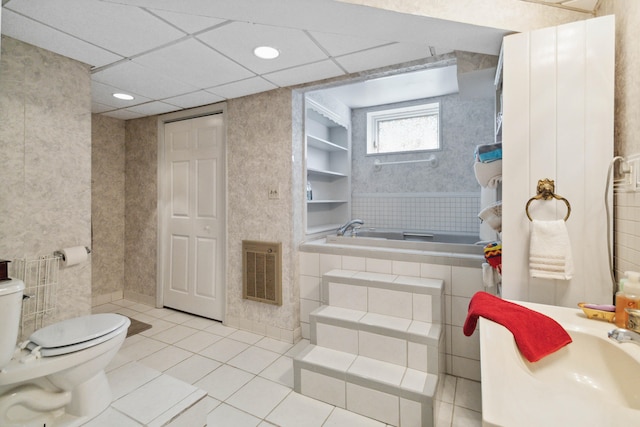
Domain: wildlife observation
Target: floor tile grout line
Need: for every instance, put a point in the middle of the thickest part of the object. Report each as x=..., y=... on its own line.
x=279, y=355
x=218, y=361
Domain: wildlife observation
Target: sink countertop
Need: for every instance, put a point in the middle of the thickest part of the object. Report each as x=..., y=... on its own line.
x=559, y=390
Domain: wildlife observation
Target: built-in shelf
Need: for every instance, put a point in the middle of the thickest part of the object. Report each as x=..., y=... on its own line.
x=328, y=168
x=323, y=144
x=325, y=173
x=325, y=201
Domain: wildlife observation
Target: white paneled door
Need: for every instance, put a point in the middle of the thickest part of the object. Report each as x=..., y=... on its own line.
x=194, y=216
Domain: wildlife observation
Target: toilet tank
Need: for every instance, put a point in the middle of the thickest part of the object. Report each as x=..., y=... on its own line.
x=10, y=310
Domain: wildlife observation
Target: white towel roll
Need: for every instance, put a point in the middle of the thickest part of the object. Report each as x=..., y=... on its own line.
x=489, y=175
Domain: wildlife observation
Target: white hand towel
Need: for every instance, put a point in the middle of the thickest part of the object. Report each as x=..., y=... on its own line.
x=550, y=251
x=490, y=277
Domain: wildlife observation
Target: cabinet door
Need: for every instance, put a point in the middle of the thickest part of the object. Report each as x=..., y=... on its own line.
x=558, y=124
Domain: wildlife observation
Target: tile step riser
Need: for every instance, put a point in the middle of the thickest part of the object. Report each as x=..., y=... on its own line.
x=419, y=353
x=414, y=285
x=402, y=357
x=404, y=297
x=406, y=407
x=432, y=338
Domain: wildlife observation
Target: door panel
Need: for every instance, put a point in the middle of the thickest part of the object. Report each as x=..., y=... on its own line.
x=193, y=267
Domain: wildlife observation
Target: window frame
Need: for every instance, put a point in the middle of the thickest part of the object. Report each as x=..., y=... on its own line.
x=407, y=112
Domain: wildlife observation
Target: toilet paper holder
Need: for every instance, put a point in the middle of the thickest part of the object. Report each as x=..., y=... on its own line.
x=60, y=254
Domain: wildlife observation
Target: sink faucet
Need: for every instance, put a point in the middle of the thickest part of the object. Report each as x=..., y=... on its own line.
x=624, y=335
x=349, y=225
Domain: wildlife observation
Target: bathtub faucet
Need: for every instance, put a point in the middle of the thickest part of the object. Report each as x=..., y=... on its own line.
x=624, y=335
x=348, y=225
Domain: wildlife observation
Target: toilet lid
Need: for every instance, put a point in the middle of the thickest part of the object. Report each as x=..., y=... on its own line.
x=73, y=332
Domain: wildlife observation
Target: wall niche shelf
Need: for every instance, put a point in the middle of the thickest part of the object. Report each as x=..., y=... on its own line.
x=327, y=168
x=324, y=173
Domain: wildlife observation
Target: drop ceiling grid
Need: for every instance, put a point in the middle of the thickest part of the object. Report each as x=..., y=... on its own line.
x=173, y=55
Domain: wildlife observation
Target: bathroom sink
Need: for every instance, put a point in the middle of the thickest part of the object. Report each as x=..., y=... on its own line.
x=592, y=364
x=592, y=381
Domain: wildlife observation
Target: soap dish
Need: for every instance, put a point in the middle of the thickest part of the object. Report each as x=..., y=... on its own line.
x=593, y=313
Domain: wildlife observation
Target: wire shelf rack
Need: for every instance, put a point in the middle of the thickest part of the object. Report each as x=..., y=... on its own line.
x=40, y=277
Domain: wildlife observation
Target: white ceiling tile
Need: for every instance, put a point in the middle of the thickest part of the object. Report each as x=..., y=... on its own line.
x=123, y=114
x=194, y=63
x=164, y=64
x=390, y=89
x=124, y=30
x=29, y=31
x=383, y=56
x=103, y=94
x=135, y=78
x=304, y=74
x=194, y=99
x=238, y=40
x=98, y=108
x=314, y=15
x=586, y=5
x=188, y=22
x=338, y=44
x=242, y=88
x=153, y=108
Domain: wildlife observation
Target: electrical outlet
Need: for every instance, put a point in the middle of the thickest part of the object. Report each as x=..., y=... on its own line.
x=274, y=193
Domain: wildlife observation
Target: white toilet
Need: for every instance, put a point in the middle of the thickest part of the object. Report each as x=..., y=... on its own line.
x=58, y=379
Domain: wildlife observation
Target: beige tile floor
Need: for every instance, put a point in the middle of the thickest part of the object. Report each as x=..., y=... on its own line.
x=248, y=378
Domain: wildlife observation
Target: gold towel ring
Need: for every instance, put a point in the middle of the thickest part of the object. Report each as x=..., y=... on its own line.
x=545, y=191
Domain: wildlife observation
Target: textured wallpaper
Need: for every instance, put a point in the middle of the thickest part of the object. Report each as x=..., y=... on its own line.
x=141, y=208
x=259, y=154
x=46, y=139
x=107, y=204
x=464, y=124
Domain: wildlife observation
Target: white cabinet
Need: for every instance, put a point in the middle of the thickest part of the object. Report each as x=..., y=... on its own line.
x=328, y=168
x=558, y=109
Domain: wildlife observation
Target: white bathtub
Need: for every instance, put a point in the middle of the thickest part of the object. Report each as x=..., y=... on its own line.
x=593, y=381
x=436, y=243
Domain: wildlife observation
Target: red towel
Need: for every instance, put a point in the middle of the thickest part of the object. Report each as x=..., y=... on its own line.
x=536, y=335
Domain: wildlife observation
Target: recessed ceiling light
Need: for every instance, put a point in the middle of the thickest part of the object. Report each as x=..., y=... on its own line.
x=266, y=52
x=124, y=96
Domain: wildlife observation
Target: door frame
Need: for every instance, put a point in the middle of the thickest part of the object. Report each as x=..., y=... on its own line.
x=192, y=113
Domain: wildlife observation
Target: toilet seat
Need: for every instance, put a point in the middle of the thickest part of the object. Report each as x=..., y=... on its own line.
x=76, y=334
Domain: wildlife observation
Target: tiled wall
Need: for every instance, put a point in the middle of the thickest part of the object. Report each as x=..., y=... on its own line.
x=627, y=232
x=418, y=196
x=456, y=212
x=627, y=126
x=462, y=353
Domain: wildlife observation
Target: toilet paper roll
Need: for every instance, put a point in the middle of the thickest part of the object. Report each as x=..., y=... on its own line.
x=74, y=255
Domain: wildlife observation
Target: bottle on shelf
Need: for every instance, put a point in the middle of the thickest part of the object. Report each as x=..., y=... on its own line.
x=627, y=297
x=309, y=191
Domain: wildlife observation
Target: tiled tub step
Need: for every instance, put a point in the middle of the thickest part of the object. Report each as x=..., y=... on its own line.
x=404, y=342
x=393, y=394
x=406, y=297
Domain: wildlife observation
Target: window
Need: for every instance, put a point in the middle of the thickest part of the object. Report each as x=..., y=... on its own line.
x=402, y=130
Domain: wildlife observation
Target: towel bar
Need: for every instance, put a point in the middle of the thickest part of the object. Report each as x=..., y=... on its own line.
x=545, y=191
